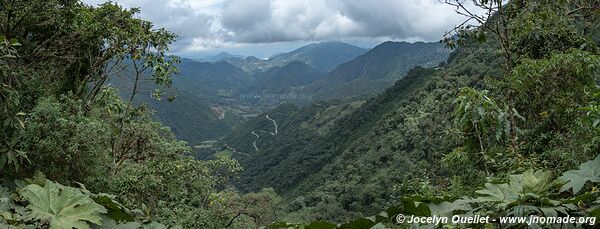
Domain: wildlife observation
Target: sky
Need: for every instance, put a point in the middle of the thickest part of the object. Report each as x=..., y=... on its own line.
x=266, y=27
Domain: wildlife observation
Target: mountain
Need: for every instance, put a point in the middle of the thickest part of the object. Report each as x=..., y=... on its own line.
x=219, y=57
x=283, y=79
x=324, y=56
x=377, y=69
x=309, y=137
x=216, y=96
x=205, y=106
x=193, y=118
x=350, y=154
x=210, y=76
x=249, y=64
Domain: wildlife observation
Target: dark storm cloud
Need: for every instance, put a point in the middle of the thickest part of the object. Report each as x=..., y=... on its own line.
x=209, y=24
x=284, y=20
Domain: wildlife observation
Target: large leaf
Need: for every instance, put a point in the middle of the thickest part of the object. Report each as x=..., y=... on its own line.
x=61, y=206
x=448, y=209
x=575, y=179
x=537, y=182
x=412, y=206
x=115, y=210
x=504, y=194
x=530, y=183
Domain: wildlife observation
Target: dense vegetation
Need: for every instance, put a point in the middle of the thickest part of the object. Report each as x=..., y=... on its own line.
x=377, y=69
x=215, y=96
x=324, y=56
x=74, y=154
x=517, y=96
x=199, y=88
x=509, y=126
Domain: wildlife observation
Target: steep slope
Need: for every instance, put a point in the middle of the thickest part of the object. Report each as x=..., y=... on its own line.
x=277, y=85
x=324, y=56
x=249, y=64
x=219, y=57
x=360, y=163
x=301, y=144
x=210, y=76
x=203, y=109
x=214, y=96
x=283, y=79
x=192, y=119
x=396, y=142
x=377, y=69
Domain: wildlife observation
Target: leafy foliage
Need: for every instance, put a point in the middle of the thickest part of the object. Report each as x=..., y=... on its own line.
x=377, y=69
x=508, y=101
x=44, y=204
x=526, y=194
x=62, y=207
x=60, y=119
x=576, y=179
x=519, y=97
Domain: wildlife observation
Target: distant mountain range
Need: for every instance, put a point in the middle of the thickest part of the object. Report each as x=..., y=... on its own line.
x=219, y=57
x=222, y=91
x=323, y=57
x=377, y=69
x=283, y=79
x=309, y=137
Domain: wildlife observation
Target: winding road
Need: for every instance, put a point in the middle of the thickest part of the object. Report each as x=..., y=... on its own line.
x=257, y=137
x=235, y=151
x=274, y=123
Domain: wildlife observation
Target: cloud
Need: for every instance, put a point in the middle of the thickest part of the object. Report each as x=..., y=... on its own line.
x=194, y=21
x=210, y=24
x=285, y=20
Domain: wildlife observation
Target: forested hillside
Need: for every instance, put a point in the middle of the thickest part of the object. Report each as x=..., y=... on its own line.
x=73, y=154
x=324, y=56
x=512, y=99
x=215, y=96
x=377, y=69
x=508, y=125
x=309, y=138
x=202, y=109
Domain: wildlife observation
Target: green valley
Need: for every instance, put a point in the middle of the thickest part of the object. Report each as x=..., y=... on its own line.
x=111, y=121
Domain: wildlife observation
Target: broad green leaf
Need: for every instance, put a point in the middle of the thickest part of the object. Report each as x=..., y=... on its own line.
x=530, y=184
x=4, y=199
x=501, y=193
x=447, y=209
x=416, y=208
x=4, y=192
x=115, y=210
x=537, y=182
x=61, y=206
x=576, y=179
